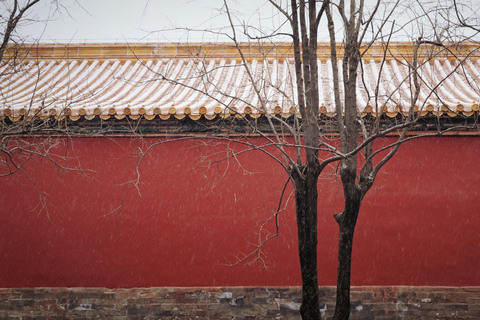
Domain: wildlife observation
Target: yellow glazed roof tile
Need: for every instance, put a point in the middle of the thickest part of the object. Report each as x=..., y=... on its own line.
x=209, y=80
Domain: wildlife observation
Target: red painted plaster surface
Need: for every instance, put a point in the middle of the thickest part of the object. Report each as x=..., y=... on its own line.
x=419, y=224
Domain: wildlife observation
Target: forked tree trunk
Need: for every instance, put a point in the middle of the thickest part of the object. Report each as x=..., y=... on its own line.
x=346, y=221
x=306, y=195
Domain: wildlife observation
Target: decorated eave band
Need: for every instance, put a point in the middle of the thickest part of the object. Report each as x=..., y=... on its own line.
x=114, y=112
x=96, y=81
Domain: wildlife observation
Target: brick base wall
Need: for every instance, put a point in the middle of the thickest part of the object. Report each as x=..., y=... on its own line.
x=235, y=303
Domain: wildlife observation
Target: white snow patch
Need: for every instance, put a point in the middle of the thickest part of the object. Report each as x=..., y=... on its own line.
x=426, y=300
x=84, y=307
x=359, y=308
x=323, y=311
x=294, y=306
x=277, y=301
x=225, y=295
x=400, y=306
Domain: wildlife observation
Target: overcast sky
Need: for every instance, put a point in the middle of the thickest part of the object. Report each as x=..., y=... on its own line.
x=155, y=20
x=127, y=20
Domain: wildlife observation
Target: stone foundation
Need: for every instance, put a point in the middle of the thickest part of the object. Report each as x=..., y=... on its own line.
x=235, y=303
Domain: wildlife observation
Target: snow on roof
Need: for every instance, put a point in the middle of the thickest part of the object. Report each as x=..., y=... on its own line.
x=208, y=80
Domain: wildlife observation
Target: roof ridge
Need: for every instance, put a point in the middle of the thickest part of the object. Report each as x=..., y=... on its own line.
x=209, y=50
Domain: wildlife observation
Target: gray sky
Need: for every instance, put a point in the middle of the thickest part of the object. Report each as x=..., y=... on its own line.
x=155, y=20
x=127, y=20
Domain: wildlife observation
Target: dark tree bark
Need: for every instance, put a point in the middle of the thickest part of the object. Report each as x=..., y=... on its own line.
x=346, y=222
x=306, y=195
x=352, y=192
x=305, y=175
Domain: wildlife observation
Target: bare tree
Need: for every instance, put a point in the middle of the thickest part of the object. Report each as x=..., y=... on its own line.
x=313, y=120
x=15, y=15
x=28, y=132
x=363, y=29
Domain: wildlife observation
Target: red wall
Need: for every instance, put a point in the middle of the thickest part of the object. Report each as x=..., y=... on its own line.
x=418, y=224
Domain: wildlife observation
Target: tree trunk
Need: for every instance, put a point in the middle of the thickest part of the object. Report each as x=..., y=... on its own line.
x=345, y=241
x=346, y=221
x=306, y=195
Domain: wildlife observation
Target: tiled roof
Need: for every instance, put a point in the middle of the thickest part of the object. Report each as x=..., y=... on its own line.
x=169, y=81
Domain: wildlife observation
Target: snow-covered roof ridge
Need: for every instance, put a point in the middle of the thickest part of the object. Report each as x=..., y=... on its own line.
x=211, y=80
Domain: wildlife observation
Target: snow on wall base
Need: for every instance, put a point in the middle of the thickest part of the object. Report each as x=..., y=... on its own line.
x=235, y=303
